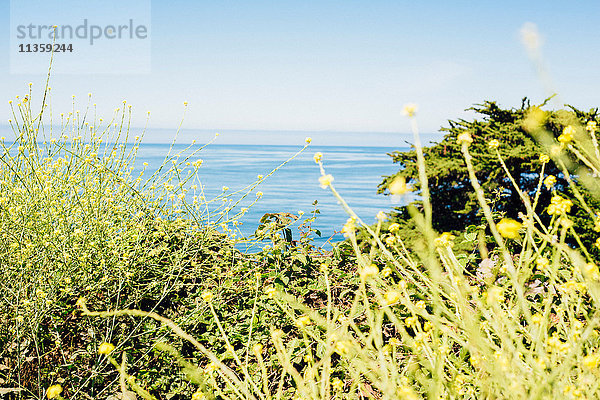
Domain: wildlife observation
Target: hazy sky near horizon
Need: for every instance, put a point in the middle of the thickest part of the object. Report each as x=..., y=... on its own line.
x=332, y=65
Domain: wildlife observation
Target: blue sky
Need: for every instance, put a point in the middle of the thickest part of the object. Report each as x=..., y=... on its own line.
x=334, y=65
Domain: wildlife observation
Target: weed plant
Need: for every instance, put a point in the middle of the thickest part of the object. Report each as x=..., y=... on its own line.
x=524, y=324
x=80, y=219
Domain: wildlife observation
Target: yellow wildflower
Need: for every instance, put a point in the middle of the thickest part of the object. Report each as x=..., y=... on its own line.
x=411, y=321
x=591, y=126
x=444, y=240
x=544, y=158
x=571, y=287
x=555, y=343
x=54, y=391
x=349, y=227
x=591, y=361
x=542, y=263
x=337, y=384
x=394, y=227
x=325, y=181
x=308, y=140
x=509, y=228
x=210, y=367
x=198, y=395
x=257, y=348
x=493, y=144
x=567, y=135
x=303, y=321
x=475, y=361
x=342, y=347
x=550, y=181
x=410, y=110
x=270, y=291
x=398, y=187
x=259, y=194
x=494, y=295
x=317, y=157
x=387, y=271
x=391, y=297
x=207, y=296
x=106, y=348
x=369, y=271
x=559, y=206
x=406, y=392
x=464, y=138
x=541, y=363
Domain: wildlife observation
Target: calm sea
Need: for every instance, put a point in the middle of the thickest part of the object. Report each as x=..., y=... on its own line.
x=357, y=172
x=293, y=188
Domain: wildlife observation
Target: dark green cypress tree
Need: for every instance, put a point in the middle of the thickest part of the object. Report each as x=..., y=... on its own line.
x=452, y=197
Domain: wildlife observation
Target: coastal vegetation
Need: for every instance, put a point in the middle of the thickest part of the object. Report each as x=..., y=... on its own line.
x=119, y=282
x=506, y=149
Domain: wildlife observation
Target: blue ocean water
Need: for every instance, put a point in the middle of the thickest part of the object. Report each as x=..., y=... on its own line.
x=293, y=188
x=356, y=170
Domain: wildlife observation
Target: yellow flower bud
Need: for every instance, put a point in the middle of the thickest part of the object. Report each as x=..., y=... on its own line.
x=567, y=135
x=509, y=228
x=398, y=187
x=410, y=110
x=493, y=144
x=207, y=296
x=369, y=271
x=54, y=391
x=325, y=181
x=303, y=321
x=550, y=181
x=465, y=138
x=106, y=348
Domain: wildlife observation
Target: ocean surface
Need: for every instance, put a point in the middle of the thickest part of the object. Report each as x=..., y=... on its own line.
x=294, y=187
x=357, y=170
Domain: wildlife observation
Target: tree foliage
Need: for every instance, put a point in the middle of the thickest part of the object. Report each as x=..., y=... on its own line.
x=453, y=200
